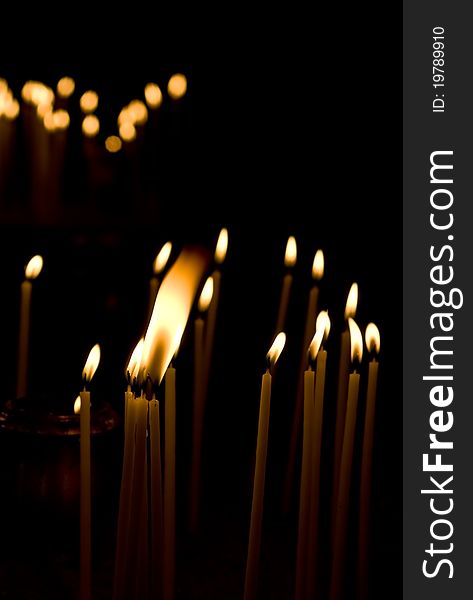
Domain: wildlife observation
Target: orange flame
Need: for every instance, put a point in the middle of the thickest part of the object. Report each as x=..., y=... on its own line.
x=135, y=360
x=162, y=258
x=91, y=363
x=171, y=311
x=318, y=265
x=177, y=86
x=356, y=341
x=276, y=348
x=33, y=268
x=222, y=245
x=352, y=301
x=77, y=405
x=372, y=338
x=291, y=252
x=206, y=295
x=319, y=335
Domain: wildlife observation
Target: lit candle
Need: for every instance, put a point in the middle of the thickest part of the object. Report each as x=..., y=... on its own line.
x=159, y=265
x=372, y=339
x=254, y=542
x=343, y=373
x=199, y=404
x=169, y=482
x=32, y=270
x=317, y=274
x=342, y=501
x=290, y=259
x=85, y=510
x=156, y=499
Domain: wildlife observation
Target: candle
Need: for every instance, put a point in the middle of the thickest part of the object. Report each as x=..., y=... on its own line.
x=199, y=404
x=85, y=501
x=169, y=482
x=342, y=501
x=343, y=372
x=159, y=265
x=290, y=258
x=317, y=274
x=156, y=499
x=32, y=270
x=254, y=541
x=372, y=339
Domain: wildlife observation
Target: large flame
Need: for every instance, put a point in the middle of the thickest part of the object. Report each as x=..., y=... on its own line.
x=356, y=341
x=91, y=363
x=221, y=248
x=320, y=332
x=171, y=311
x=134, y=363
x=372, y=338
x=206, y=295
x=276, y=348
x=33, y=268
x=352, y=301
x=290, y=256
x=162, y=258
x=318, y=265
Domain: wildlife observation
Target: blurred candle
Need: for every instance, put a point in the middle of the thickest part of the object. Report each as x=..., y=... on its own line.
x=342, y=502
x=85, y=500
x=159, y=265
x=199, y=404
x=372, y=339
x=290, y=259
x=254, y=542
x=32, y=270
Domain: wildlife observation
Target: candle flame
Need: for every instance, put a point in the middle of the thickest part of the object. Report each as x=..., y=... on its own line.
x=33, y=268
x=138, y=112
x=65, y=87
x=134, y=363
x=61, y=119
x=77, y=404
x=323, y=317
x=291, y=252
x=153, y=95
x=276, y=348
x=113, y=144
x=318, y=265
x=162, y=258
x=91, y=363
x=206, y=295
x=177, y=86
x=356, y=341
x=320, y=332
x=372, y=338
x=171, y=311
x=90, y=126
x=127, y=131
x=89, y=101
x=222, y=245
x=352, y=301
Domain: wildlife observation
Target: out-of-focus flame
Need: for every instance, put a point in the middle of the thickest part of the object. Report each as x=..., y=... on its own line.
x=206, y=295
x=177, y=86
x=276, y=348
x=171, y=311
x=320, y=333
x=90, y=126
x=352, y=301
x=134, y=363
x=318, y=265
x=91, y=363
x=290, y=256
x=221, y=247
x=61, y=119
x=127, y=131
x=323, y=317
x=113, y=143
x=65, y=87
x=33, y=268
x=356, y=340
x=77, y=405
x=89, y=101
x=153, y=95
x=372, y=338
x=162, y=258
x=138, y=112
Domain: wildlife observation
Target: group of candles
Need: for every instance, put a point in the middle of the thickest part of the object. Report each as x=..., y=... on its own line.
x=145, y=543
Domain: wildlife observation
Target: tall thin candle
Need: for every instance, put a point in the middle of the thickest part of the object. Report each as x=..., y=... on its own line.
x=169, y=483
x=290, y=259
x=254, y=542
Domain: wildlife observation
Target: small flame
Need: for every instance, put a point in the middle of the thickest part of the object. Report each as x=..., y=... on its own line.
x=89, y=101
x=276, y=348
x=65, y=87
x=91, y=363
x=171, y=311
x=222, y=245
x=77, y=404
x=372, y=338
x=320, y=333
x=153, y=95
x=206, y=295
x=291, y=252
x=177, y=86
x=135, y=360
x=162, y=258
x=352, y=301
x=90, y=126
x=33, y=268
x=323, y=317
x=318, y=265
x=356, y=341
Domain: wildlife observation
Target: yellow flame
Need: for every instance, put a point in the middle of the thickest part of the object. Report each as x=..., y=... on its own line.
x=77, y=404
x=372, y=338
x=356, y=341
x=90, y=126
x=91, y=363
x=320, y=332
x=127, y=131
x=177, y=86
x=40, y=94
x=124, y=116
x=12, y=110
x=134, y=363
x=138, y=111
x=89, y=101
x=153, y=95
x=171, y=311
x=276, y=348
x=162, y=258
x=222, y=245
x=290, y=256
x=352, y=301
x=43, y=109
x=65, y=87
x=318, y=265
x=113, y=143
x=323, y=317
x=61, y=119
x=206, y=295
x=33, y=268
x=48, y=121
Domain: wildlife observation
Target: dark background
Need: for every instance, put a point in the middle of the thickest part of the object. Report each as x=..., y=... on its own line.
x=291, y=126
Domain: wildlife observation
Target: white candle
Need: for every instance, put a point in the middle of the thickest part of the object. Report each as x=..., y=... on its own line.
x=169, y=482
x=32, y=270
x=156, y=500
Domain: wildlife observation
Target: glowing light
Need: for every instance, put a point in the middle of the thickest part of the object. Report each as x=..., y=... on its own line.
x=276, y=348
x=134, y=364
x=113, y=143
x=91, y=363
x=90, y=126
x=221, y=247
x=127, y=131
x=65, y=87
x=290, y=256
x=77, y=404
x=61, y=119
x=162, y=258
x=206, y=295
x=323, y=317
x=138, y=112
x=89, y=101
x=356, y=340
x=153, y=95
x=12, y=110
x=177, y=86
x=372, y=338
x=318, y=265
x=352, y=301
x=33, y=268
